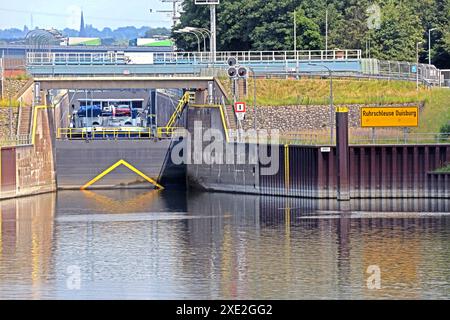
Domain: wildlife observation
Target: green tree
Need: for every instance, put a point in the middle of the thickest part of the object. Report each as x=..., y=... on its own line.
x=400, y=30
x=308, y=32
x=268, y=25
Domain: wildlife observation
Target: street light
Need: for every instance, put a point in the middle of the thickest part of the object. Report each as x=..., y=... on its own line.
x=417, y=65
x=429, y=44
x=198, y=31
x=331, y=97
x=212, y=6
x=295, y=41
x=195, y=34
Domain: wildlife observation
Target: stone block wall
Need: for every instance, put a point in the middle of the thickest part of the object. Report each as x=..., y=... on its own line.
x=301, y=117
x=34, y=165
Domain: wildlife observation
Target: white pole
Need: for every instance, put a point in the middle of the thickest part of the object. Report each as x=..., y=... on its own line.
x=213, y=32
x=295, y=34
x=429, y=46
x=326, y=31
x=295, y=41
x=417, y=66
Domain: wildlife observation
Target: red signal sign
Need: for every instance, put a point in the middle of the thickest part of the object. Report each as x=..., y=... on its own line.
x=240, y=107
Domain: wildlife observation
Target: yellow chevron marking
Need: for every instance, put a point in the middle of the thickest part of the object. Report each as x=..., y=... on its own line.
x=113, y=167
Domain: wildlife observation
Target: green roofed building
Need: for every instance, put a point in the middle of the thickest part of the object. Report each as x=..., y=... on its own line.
x=79, y=41
x=151, y=42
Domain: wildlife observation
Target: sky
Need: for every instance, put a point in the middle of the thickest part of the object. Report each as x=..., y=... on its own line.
x=60, y=14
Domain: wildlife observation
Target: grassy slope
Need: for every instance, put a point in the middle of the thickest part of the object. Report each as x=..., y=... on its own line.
x=275, y=92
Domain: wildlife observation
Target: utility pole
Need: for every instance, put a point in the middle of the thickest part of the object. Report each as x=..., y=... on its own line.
x=295, y=42
x=174, y=11
x=213, y=32
x=326, y=31
x=212, y=7
x=429, y=45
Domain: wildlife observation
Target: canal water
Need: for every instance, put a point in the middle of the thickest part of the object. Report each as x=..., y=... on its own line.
x=139, y=244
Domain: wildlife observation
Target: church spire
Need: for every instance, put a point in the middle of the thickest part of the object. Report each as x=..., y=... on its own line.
x=82, y=30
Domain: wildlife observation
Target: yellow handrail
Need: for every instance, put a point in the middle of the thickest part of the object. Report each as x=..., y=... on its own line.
x=184, y=100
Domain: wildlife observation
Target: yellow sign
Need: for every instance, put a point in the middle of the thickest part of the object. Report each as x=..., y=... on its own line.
x=389, y=117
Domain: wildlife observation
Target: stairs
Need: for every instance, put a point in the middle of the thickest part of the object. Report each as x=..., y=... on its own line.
x=231, y=117
x=24, y=125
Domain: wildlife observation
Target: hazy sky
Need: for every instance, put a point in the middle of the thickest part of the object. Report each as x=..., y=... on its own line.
x=60, y=14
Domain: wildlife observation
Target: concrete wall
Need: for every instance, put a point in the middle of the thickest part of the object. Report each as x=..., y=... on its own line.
x=226, y=177
x=79, y=161
x=27, y=170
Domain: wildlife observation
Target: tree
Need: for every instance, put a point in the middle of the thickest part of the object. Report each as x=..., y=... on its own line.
x=268, y=25
x=308, y=32
x=398, y=35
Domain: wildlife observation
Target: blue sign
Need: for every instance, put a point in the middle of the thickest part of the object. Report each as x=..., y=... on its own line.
x=414, y=69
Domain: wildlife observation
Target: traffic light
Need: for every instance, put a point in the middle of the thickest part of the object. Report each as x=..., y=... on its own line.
x=243, y=72
x=232, y=72
x=232, y=61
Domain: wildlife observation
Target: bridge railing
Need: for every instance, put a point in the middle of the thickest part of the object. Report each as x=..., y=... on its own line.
x=75, y=58
x=96, y=58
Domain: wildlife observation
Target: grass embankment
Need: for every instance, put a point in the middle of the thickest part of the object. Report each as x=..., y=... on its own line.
x=275, y=92
x=282, y=92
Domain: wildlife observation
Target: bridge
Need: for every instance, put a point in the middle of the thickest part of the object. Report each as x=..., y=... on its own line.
x=121, y=82
x=348, y=63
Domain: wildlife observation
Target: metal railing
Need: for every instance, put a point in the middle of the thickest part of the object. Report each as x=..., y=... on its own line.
x=103, y=133
x=168, y=132
x=396, y=70
x=16, y=140
x=179, y=109
x=401, y=139
x=322, y=139
x=75, y=58
x=120, y=58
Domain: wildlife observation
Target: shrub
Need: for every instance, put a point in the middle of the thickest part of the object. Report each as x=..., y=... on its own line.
x=445, y=130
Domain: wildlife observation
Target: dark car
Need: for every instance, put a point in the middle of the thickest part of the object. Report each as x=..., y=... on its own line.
x=89, y=111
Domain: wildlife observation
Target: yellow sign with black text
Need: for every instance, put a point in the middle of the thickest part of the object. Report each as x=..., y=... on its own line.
x=372, y=117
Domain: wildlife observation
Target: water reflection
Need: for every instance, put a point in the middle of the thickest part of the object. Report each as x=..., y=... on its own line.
x=157, y=245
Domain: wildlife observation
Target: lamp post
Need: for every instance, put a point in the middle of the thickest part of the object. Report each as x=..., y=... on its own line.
x=195, y=34
x=331, y=97
x=213, y=32
x=295, y=41
x=429, y=44
x=200, y=31
x=326, y=31
x=255, y=114
x=417, y=65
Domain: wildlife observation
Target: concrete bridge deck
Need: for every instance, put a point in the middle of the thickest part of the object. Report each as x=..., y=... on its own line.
x=122, y=82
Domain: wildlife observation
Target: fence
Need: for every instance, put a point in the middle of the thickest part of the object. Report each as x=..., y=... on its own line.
x=16, y=140
x=401, y=70
x=324, y=139
x=55, y=58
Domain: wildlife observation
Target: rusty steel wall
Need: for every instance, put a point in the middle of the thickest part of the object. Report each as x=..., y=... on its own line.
x=297, y=175
x=389, y=171
x=8, y=170
x=374, y=172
